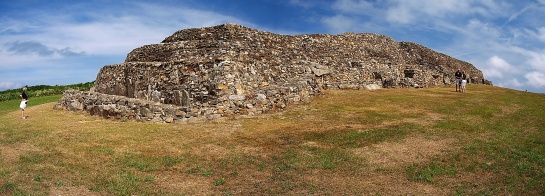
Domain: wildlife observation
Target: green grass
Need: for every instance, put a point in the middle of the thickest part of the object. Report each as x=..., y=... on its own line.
x=43, y=90
x=427, y=172
x=488, y=141
x=31, y=158
x=13, y=105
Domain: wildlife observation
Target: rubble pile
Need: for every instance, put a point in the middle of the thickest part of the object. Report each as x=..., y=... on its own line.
x=206, y=73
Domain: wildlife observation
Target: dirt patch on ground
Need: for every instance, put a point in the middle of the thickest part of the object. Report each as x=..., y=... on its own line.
x=408, y=151
x=73, y=191
x=10, y=153
x=370, y=182
x=388, y=160
x=185, y=184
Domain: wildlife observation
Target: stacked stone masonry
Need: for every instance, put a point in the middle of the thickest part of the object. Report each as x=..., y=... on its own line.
x=226, y=70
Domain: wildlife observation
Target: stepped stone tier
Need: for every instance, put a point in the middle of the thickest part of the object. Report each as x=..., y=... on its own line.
x=230, y=69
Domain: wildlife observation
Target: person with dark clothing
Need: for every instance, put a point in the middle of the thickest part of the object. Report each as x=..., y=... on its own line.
x=458, y=76
x=24, y=101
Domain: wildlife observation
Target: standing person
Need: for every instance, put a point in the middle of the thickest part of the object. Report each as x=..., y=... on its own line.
x=458, y=76
x=24, y=101
x=464, y=81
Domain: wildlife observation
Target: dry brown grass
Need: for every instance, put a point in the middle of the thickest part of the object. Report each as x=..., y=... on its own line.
x=346, y=142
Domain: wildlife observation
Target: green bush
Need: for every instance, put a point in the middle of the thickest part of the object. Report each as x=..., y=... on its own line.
x=43, y=90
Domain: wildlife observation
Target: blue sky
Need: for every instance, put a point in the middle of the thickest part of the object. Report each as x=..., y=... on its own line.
x=68, y=41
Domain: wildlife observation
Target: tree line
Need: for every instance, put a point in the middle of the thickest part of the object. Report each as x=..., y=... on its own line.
x=43, y=90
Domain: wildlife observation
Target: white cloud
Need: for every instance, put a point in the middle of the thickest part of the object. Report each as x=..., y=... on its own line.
x=541, y=33
x=492, y=73
x=535, y=79
x=302, y=3
x=339, y=23
x=497, y=67
x=38, y=43
x=520, y=12
x=401, y=15
x=416, y=11
x=537, y=61
x=13, y=62
x=537, y=35
x=9, y=85
x=487, y=31
x=103, y=37
x=515, y=82
x=113, y=33
x=354, y=7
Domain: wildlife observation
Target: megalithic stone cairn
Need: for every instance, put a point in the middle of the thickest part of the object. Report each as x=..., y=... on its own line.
x=225, y=70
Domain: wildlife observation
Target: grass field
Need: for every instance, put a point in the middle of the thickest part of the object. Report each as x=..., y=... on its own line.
x=13, y=105
x=433, y=141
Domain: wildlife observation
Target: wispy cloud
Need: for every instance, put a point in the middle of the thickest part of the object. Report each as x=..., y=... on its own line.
x=517, y=14
x=537, y=60
x=9, y=85
x=536, y=79
x=541, y=33
x=355, y=7
x=339, y=22
x=307, y=4
x=36, y=48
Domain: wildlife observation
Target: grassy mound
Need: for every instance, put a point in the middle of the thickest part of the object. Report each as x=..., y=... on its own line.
x=433, y=141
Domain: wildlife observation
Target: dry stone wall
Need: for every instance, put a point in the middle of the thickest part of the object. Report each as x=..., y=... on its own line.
x=230, y=70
